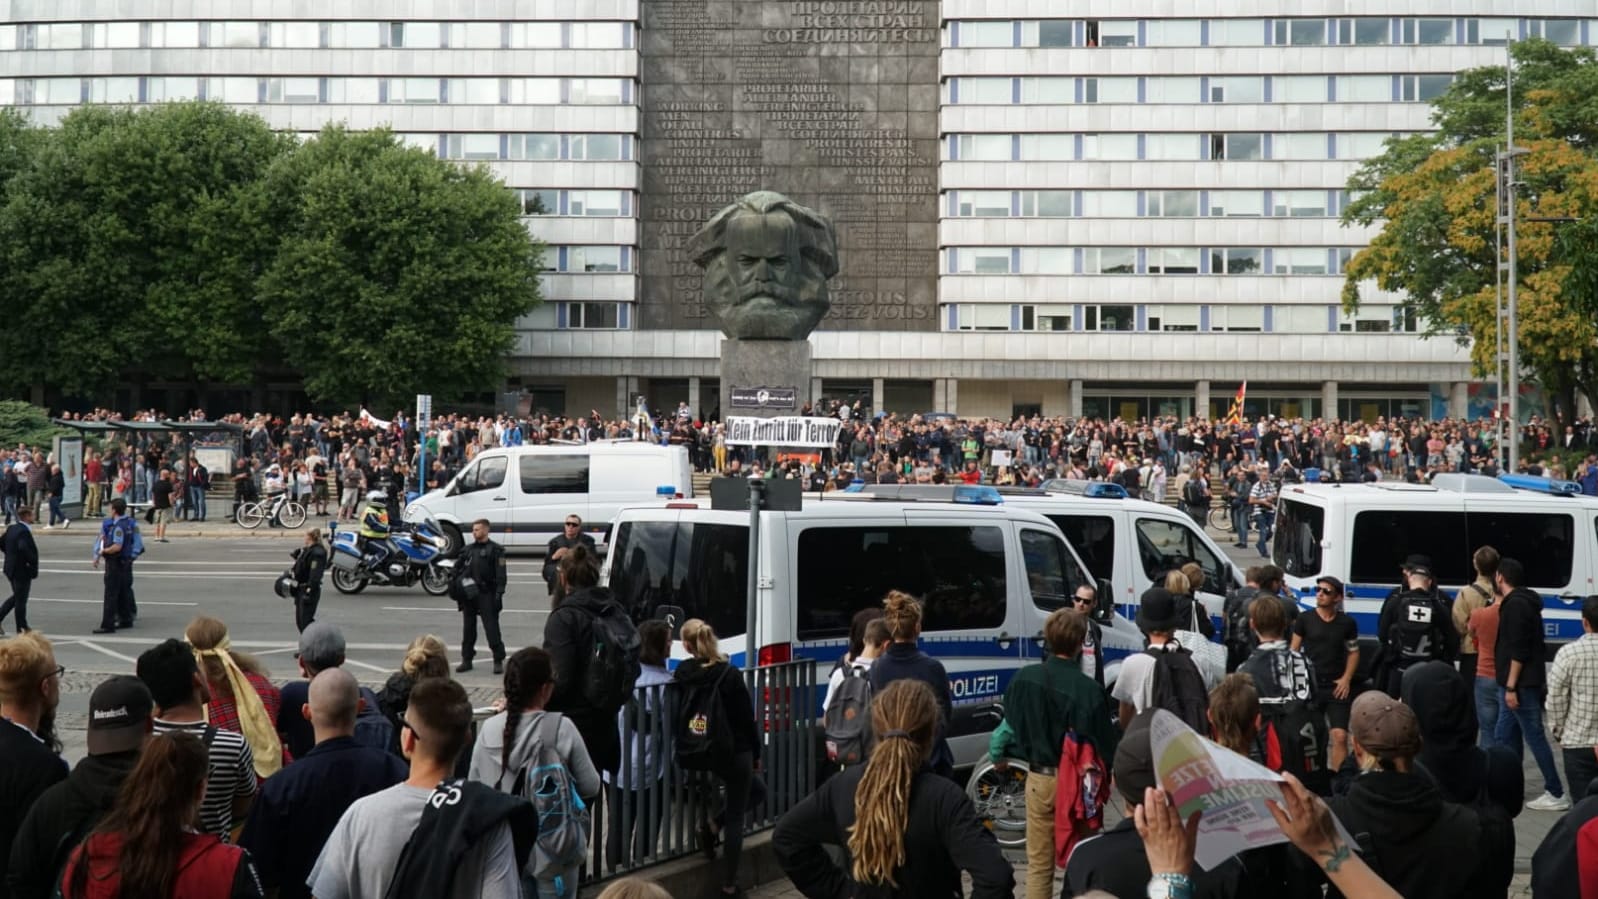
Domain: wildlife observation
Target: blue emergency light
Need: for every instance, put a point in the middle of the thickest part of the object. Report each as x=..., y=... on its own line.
x=977, y=495
x=1541, y=485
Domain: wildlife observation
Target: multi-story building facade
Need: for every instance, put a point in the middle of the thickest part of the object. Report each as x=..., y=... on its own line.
x=1118, y=208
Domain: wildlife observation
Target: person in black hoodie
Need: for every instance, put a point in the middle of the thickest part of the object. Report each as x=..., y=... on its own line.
x=1464, y=772
x=909, y=832
x=1519, y=658
x=569, y=640
x=1408, y=834
x=903, y=659
x=745, y=788
x=121, y=718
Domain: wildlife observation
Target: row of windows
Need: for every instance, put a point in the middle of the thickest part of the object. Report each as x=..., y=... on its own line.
x=591, y=203
x=489, y=146
x=1196, y=89
x=1281, y=32
x=569, y=259
x=1170, y=146
x=1145, y=203
x=1174, y=317
x=318, y=35
x=586, y=316
x=154, y=89
x=1146, y=260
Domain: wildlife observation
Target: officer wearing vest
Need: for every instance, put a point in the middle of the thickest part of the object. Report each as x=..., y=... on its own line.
x=1416, y=625
x=479, y=589
x=374, y=529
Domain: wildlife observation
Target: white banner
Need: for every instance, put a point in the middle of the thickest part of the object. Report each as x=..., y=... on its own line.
x=791, y=430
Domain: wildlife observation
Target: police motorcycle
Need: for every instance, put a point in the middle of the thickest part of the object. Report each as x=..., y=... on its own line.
x=412, y=554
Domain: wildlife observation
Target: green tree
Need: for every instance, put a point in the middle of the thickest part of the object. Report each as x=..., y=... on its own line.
x=397, y=273
x=1433, y=196
x=126, y=250
x=26, y=424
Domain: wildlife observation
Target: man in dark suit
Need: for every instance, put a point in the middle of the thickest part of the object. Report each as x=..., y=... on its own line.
x=21, y=567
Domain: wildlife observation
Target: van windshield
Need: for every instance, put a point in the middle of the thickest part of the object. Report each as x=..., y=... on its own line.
x=699, y=568
x=1299, y=529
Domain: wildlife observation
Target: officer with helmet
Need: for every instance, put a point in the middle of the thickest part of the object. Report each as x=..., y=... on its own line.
x=374, y=531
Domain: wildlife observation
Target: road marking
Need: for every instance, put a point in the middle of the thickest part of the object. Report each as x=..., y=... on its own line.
x=369, y=667
x=96, y=602
x=253, y=645
x=269, y=652
x=446, y=609
x=115, y=655
x=190, y=576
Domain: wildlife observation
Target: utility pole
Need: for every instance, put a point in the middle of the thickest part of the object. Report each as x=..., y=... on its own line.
x=1498, y=304
x=1510, y=153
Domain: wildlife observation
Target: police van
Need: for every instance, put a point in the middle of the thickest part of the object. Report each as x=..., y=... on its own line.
x=987, y=572
x=1132, y=543
x=1361, y=534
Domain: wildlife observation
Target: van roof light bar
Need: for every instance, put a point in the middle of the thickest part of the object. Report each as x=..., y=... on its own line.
x=1089, y=489
x=1551, y=486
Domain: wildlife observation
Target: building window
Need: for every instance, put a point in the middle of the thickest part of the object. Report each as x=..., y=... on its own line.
x=1047, y=261
x=983, y=204
x=988, y=34
x=1300, y=32
x=1299, y=203
x=1033, y=90
x=534, y=91
x=1364, y=32
x=111, y=90
x=1431, y=32
x=534, y=146
x=1299, y=320
x=295, y=35
x=1173, y=33
x=1364, y=89
x=1299, y=145
x=600, y=35
x=1491, y=32
x=1238, y=89
x=159, y=90
x=1173, y=90
x=603, y=203
x=983, y=147
x=293, y=90
x=1047, y=203
x=608, y=147
x=416, y=35
x=477, y=35
x=1111, y=32
x=1109, y=261
x=1237, y=203
x=593, y=315
x=1237, y=146
x=1173, y=318
x=1173, y=203
x=1361, y=144
x=982, y=317
x=58, y=91
x=1098, y=146
x=1051, y=147
x=475, y=91
x=1173, y=260
x=106, y=36
x=55, y=36
x=1237, y=318
x=352, y=90
x=414, y=90
x=987, y=91
x=174, y=35
x=1237, y=261
x=1046, y=317
x=1422, y=88
x=1172, y=147
x=1298, y=89
x=472, y=146
x=1109, y=318
x=981, y=261
x=596, y=259
x=596, y=91
x=538, y=201
x=236, y=35
x=1299, y=261
x=1109, y=90
x=1237, y=32
x=1109, y=204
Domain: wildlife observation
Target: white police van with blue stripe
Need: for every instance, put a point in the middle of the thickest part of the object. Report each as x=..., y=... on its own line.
x=988, y=575
x=1361, y=533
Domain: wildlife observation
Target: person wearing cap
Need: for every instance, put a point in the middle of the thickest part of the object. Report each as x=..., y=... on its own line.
x=1116, y=860
x=1421, y=844
x=1330, y=639
x=1158, y=617
x=30, y=691
x=322, y=648
x=121, y=719
x=299, y=807
x=1415, y=625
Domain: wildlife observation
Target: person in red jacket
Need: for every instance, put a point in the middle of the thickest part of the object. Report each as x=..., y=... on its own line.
x=148, y=845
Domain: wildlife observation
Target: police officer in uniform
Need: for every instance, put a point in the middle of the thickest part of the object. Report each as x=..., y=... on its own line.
x=374, y=529
x=479, y=589
x=310, y=561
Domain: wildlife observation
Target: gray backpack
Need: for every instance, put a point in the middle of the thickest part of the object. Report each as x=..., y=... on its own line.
x=544, y=781
x=848, y=720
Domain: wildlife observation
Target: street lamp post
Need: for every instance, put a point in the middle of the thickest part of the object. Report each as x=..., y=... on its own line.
x=1510, y=152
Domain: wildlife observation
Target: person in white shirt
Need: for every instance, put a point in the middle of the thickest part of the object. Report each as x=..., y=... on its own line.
x=1158, y=618
x=876, y=640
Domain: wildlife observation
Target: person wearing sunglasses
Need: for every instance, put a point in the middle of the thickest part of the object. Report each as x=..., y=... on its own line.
x=1331, y=640
x=1090, y=657
x=30, y=690
x=571, y=535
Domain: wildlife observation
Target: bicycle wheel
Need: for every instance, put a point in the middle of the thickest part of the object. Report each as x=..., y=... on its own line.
x=1221, y=518
x=292, y=515
x=1000, y=799
x=249, y=515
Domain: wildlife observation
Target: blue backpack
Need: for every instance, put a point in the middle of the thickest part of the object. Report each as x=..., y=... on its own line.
x=133, y=541
x=563, y=817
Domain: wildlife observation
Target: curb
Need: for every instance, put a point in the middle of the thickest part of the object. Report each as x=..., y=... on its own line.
x=699, y=876
x=91, y=530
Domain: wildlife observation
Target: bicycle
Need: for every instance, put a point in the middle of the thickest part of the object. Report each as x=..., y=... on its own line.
x=1220, y=518
x=285, y=511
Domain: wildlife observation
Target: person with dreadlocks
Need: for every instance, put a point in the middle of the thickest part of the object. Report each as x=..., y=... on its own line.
x=891, y=810
x=509, y=741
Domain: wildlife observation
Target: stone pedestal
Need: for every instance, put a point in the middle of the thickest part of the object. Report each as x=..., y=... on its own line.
x=764, y=378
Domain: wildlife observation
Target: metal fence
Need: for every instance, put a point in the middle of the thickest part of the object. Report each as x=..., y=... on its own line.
x=652, y=809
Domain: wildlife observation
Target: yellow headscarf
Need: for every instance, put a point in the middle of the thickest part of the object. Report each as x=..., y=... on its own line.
x=260, y=731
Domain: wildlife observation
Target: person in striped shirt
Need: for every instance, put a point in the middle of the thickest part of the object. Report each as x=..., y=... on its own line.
x=1262, y=498
x=180, y=693
x=1573, y=703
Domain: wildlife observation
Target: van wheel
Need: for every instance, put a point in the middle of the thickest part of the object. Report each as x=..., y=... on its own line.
x=454, y=542
x=1000, y=798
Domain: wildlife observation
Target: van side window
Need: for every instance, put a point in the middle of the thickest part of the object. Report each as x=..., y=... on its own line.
x=1543, y=542
x=1299, y=528
x=1383, y=538
x=700, y=568
x=1167, y=545
x=957, y=572
x=1052, y=575
x=1093, y=537
x=555, y=474
x=489, y=472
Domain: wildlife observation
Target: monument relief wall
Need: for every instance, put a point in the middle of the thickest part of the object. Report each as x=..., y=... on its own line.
x=831, y=102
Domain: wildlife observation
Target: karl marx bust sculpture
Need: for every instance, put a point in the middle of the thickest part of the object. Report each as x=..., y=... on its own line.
x=766, y=261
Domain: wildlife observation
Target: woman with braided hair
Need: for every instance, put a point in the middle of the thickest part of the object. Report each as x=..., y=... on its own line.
x=513, y=739
x=889, y=811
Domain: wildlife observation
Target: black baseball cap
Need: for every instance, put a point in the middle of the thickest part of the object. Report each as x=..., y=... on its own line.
x=119, y=714
x=1332, y=582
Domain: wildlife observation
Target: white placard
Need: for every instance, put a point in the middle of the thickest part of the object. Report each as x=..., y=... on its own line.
x=1000, y=458
x=790, y=430
x=69, y=455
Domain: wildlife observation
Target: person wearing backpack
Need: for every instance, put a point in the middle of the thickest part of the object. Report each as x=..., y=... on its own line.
x=846, y=716
x=716, y=732
x=1043, y=704
x=594, y=647
x=538, y=755
x=1477, y=594
x=298, y=807
x=1416, y=627
x=644, y=756
x=322, y=648
x=1164, y=676
x=1196, y=497
x=1292, y=735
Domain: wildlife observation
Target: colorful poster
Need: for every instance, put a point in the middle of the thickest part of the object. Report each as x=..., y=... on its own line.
x=1227, y=788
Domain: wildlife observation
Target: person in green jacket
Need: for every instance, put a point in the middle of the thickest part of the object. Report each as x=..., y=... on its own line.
x=1043, y=703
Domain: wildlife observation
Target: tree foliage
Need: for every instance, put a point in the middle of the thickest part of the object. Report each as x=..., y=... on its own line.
x=189, y=242
x=1433, y=196
x=25, y=424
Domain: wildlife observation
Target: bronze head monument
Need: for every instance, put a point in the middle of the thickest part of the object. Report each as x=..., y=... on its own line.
x=767, y=260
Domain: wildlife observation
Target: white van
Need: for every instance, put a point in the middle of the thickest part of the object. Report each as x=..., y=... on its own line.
x=1361, y=534
x=526, y=492
x=1128, y=542
x=988, y=574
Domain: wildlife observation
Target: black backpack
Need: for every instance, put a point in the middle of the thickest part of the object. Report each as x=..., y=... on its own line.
x=1179, y=688
x=1193, y=493
x=702, y=735
x=1239, y=638
x=613, y=665
x=1415, y=634
x=1292, y=735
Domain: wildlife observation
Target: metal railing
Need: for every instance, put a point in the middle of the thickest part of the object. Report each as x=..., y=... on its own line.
x=652, y=809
